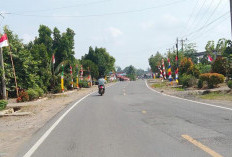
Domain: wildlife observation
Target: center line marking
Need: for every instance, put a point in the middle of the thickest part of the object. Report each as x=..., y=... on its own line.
x=201, y=146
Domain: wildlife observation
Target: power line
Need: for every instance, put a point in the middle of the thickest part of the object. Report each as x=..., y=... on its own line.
x=203, y=27
x=65, y=7
x=205, y=33
x=190, y=17
x=204, y=14
x=198, y=13
x=213, y=11
x=105, y=14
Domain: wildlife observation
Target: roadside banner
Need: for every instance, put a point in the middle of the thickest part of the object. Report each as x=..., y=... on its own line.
x=81, y=72
x=169, y=70
x=62, y=79
x=177, y=75
x=164, y=72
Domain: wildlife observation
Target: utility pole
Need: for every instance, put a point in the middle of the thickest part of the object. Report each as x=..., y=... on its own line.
x=3, y=75
x=231, y=16
x=182, y=44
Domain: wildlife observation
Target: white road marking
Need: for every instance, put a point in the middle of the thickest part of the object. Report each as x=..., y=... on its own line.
x=221, y=107
x=46, y=134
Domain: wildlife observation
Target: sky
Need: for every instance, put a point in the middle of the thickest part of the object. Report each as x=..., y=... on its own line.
x=130, y=30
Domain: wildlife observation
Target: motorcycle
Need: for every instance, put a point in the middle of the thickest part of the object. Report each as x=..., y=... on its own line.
x=101, y=90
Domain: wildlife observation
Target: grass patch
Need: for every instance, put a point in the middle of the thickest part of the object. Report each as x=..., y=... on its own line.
x=179, y=89
x=217, y=96
x=158, y=85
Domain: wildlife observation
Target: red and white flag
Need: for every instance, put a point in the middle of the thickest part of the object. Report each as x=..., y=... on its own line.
x=4, y=41
x=210, y=59
x=53, y=59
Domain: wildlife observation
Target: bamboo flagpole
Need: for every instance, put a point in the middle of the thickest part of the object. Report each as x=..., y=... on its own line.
x=12, y=62
x=5, y=43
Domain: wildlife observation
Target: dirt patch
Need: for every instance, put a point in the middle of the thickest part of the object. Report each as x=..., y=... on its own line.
x=17, y=130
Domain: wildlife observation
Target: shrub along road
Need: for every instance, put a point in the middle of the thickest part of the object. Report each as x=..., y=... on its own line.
x=130, y=120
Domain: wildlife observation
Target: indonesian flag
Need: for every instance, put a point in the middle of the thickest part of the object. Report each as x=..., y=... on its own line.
x=53, y=59
x=4, y=41
x=70, y=69
x=210, y=59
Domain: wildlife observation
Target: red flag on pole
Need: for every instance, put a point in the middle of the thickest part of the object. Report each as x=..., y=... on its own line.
x=4, y=41
x=210, y=59
x=53, y=58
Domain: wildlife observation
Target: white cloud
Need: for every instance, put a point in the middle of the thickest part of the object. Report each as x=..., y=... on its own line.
x=115, y=32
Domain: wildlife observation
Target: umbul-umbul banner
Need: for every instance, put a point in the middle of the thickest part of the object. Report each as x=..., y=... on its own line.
x=53, y=59
x=4, y=41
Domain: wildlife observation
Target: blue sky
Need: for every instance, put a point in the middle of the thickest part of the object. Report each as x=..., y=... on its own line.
x=136, y=29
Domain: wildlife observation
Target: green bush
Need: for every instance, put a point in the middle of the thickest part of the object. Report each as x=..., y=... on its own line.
x=204, y=68
x=39, y=91
x=229, y=83
x=200, y=84
x=219, y=66
x=3, y=104
x=187, y=80
x=33, y=94
x=212, y=79
x=83, y=84
x=187, y=67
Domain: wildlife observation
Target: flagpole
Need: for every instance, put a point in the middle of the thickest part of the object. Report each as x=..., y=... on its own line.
x=12, y=62
x=3, y=75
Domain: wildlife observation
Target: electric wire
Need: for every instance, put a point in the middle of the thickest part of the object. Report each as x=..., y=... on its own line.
x=190, y=17
x=197, y=15
x=65, y=7
x=200, y=34
x=205, y=26
x=104, y=14
x=213, y=12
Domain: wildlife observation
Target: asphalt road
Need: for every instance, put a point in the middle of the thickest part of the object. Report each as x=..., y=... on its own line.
x=131, y=120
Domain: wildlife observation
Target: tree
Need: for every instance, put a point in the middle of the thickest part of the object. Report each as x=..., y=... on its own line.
x=102, y=59
x=140, y=72
x=190, y=51
x=155, y=61
x=92, y=66
x=131, y=72
x=118, y=69
x=219, y=66
x=45, y=38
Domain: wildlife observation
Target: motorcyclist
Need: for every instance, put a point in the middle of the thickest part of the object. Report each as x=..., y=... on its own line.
x=101, y=82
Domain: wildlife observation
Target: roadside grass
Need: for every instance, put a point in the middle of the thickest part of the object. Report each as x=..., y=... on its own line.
x=158, y=85
x=179, y=89
x=217, y=96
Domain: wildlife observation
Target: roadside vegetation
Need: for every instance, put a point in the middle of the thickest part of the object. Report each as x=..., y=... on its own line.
x=198, y=73
x=38, y=73
x=217, y=96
